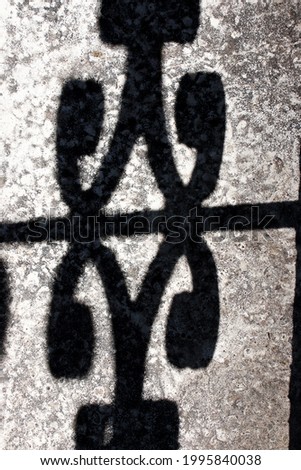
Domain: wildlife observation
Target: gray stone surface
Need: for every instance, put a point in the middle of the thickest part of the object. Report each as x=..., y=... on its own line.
x=241, y=399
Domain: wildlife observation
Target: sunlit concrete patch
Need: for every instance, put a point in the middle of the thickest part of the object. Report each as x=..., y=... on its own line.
x=133, y=259
x=144, y=194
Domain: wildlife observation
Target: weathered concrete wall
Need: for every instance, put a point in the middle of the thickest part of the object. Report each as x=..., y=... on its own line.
x=241, y=399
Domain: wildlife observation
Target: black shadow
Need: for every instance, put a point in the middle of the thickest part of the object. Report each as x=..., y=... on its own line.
x=194, y=318
x=193, y=324
x=295, y=382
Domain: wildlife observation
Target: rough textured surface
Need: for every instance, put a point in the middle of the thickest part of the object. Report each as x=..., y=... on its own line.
x=241, y=399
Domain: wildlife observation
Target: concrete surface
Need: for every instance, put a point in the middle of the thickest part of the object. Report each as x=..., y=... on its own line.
x=240, y=401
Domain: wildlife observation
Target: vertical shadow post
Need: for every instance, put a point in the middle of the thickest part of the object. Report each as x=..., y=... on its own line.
x=4, y=306
x=295, y=382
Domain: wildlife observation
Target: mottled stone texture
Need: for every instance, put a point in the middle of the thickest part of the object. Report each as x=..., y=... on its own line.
x=241, y=399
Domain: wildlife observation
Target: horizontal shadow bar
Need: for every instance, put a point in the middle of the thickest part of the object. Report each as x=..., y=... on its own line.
x=243, y=217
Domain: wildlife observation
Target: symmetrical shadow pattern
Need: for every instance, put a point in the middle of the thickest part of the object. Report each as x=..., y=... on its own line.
x=192, y=326
x=193, y=321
